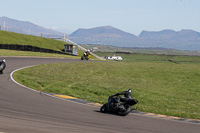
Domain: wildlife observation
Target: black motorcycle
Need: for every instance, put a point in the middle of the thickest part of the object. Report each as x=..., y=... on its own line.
x=2, y=66
x=121, y=106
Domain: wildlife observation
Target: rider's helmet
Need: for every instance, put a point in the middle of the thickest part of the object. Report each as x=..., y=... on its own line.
x=4, y=60
x=129, y=90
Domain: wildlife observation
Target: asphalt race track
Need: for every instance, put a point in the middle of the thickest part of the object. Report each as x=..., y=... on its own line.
x=26, y=111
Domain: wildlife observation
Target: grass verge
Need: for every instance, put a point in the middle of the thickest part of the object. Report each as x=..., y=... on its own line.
x=4, y=52
x=179, y=59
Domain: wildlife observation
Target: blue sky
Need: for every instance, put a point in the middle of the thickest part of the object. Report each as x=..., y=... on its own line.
x=132, y=16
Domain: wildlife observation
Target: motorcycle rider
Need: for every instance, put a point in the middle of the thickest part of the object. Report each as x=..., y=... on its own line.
x=87, y=53
x=127, y=96
x=2, y=66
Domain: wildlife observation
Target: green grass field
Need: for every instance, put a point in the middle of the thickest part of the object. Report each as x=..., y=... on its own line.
x=163, y=88
x=179, y=59
x=163, y=51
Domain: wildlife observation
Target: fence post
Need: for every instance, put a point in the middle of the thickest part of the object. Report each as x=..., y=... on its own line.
x=4, y=25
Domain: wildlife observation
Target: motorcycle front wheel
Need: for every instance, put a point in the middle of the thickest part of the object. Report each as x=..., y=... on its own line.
x=126, y=112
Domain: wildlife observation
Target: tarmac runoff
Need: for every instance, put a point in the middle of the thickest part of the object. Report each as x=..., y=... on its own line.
x=80, y=101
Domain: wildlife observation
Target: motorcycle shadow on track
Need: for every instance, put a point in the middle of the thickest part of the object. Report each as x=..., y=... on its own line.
x=113, y=113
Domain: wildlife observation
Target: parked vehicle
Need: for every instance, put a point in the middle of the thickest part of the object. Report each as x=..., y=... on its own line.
x=2, y=66
x=113, y=57
x=119, y=105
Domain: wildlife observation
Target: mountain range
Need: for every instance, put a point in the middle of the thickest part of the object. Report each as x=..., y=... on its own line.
x=107, y=35
x=185, y=39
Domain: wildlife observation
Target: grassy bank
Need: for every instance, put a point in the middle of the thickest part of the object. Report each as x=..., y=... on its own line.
x=21, y=39
x=164, y=88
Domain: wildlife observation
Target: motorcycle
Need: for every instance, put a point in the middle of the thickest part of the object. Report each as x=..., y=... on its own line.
x=85, y=56
x=2, y=66
x=121, y=106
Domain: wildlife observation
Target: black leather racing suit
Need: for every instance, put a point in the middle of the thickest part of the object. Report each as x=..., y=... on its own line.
x=2, y=66
x=127, y=96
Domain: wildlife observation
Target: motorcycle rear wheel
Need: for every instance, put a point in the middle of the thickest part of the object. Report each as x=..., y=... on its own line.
x=104, y=108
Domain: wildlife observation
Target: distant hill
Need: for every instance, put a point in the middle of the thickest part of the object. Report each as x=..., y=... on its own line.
x=26, y=27
x=183, y=35
x=104, y=31
x=183, y=40
x=107, y=35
